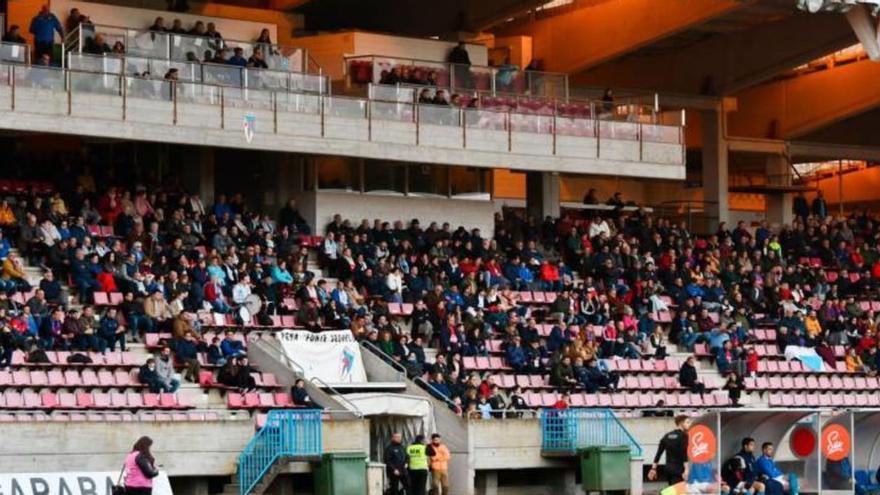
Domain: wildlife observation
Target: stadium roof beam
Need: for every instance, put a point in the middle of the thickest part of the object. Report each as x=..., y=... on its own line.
x=790, y=108
x=730, y=62
x=601, y=31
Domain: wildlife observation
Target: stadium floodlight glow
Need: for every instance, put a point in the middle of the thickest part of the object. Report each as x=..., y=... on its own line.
x=815, y=6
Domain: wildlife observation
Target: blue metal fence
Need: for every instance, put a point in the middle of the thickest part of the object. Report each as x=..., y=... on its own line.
x=567, y=430
x=286, y=433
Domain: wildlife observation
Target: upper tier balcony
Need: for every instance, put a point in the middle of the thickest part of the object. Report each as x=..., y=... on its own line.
x=607, y=139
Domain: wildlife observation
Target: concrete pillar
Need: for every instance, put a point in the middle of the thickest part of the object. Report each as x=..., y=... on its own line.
x=542, y=194
x=488, y=483
x=566, y=483
x=206, y=176
x=779, y=204
x=715, y=169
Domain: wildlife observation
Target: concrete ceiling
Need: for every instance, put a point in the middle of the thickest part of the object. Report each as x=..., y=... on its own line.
x=411, y=17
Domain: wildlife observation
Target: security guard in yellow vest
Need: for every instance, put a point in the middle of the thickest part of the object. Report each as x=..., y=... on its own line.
x=417, y=464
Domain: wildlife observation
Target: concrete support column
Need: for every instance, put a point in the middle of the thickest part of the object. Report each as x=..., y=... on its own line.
x=206, y=176
x=542, y=194
x=488, y=483
x=779, y=204
x=566, y=483
x=715, y=174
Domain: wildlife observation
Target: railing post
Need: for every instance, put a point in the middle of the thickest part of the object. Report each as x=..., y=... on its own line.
x=275, y=112
x=368, y=111
x=323, y=111
x=174, y=102
x=12, y=84
x=492, y=80
x=418, y=117
x=509, y=132
x=463, y=128
x=554, y=128
x=641, y=142
x=451, y=78
x=124, y=98
x=222, y=109
x=67, y=78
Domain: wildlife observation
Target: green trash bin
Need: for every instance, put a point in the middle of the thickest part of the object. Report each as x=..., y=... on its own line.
x=343, y=473
x=605, y=468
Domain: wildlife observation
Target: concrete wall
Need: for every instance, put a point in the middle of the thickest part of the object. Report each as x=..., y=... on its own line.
x=208, y=448
x=469, y=213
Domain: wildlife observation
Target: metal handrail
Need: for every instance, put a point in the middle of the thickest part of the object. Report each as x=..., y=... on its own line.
x=566, y=430
x=414, y=61
x=381, y=355
x=436, y=393
x=274, y=48
x=281, y=436
x=200, y=76
x=337, y=97
x=594, y=105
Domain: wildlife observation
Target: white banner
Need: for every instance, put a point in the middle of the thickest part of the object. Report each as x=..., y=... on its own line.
x=333, y=356
x=70, y=483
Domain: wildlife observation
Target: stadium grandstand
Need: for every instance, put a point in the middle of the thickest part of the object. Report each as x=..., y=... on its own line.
x=506, y=247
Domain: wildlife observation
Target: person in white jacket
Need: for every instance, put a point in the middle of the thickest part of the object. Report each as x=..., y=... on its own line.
x=394, y=282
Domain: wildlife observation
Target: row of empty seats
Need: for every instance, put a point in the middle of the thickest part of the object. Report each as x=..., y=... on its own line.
x=629, y=400
x=824, y=399
x=259, y=400
x=11, y=399
x=814, y=382
x=106, y=416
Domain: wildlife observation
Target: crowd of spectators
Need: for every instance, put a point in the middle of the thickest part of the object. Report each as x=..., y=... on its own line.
x=173, y=257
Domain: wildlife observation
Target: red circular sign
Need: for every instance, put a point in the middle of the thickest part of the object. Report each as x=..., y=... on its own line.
x=803, y=441
x=701, y=444
x=836, y=442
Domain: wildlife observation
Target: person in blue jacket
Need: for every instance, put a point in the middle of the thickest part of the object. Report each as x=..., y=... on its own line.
x=776, y=482
x=44, y=26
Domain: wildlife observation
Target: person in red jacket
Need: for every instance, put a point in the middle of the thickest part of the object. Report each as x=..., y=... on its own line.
x=550, y=277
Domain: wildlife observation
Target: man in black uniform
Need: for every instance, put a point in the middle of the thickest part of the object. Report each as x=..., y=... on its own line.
x=395, y=464
x=675, y=445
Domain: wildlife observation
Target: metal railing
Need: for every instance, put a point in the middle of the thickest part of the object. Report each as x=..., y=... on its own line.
x=185, y=47
x=401, y=371
x=417, y=379
x=286, y=433
x=567, y=430
x=624, y=109
x=216, y=74
x=363, y=69
x=210, y=106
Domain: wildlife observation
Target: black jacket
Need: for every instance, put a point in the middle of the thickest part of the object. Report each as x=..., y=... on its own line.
x=395, y=457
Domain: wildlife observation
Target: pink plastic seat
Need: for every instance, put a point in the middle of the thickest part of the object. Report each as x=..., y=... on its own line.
x=118, y=400
x=49, y=400
x=234, y=401
x=167, y=401
x=73, y=401
x=283, y=399
x=151, y=400
x=84, y=400
x=101, y=400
